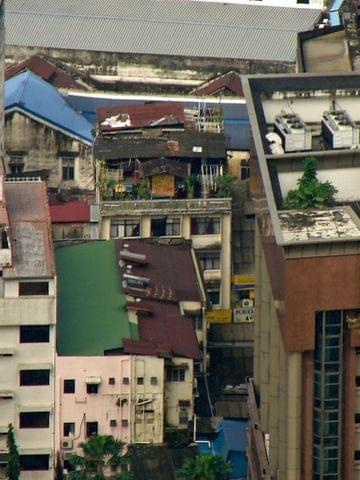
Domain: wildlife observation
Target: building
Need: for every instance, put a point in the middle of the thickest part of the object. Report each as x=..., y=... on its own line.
x=46, y=137
x=27, y=327
x=307, y=270
x=132, y=374
x=158, y=164
x=176, y=48
x=69, y=220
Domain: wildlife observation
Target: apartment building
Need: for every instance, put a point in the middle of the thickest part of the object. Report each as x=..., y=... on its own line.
x=307, y=269
x=126, y=355
x=160, y=170
x=27, y=327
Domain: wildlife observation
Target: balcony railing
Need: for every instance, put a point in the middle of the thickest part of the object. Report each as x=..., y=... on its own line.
x=171, y=206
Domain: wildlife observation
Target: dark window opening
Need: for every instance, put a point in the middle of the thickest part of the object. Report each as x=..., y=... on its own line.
x=205, y=226
x=357, y=381
x=69, y=429
x=16, y=164
x=34, y=333
x=34, y=462
x=126, y=381
x=91, y=428
x=34, y=419
x=33, y=288
x=92, y=388
x=175, y=374
x=69, y=386
x=125, y=228
x=4, y=239
x=209, y=260
x=357, y=417
x=357, y=455
x=165, y=227
x=68, y=168
x=214, y=297
x=112, y=381
x=140, y=380
x=153, y=380
x=34, y=377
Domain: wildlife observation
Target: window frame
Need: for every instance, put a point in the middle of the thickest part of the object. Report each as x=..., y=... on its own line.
x=125, y=224
x=38, y=371
x=32, y=464
x=67, y=169
x=176, y=374
x=25, y=333
x=67, y=390
x=68, y=429
x=89, y=426
x=205, y=226
x=171, y=226
x=209, y=259
x=24, y=420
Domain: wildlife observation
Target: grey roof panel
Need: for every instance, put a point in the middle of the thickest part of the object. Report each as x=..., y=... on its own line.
x=163, y=27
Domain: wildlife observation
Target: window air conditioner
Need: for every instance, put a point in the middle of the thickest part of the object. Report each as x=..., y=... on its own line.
x=247, y=303
x=67, y=443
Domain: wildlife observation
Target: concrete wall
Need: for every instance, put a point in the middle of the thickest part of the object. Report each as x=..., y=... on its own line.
x=16, y=311
x=112, y=402
x=43, y=148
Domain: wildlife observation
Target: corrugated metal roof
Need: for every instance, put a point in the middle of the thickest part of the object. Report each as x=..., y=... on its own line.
x=30, y=93
x=162, y=27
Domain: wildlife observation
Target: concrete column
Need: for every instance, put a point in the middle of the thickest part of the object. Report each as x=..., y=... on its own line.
x=145, y=226
x=225, y=261
x=186, y=227
x=105, y=228
x=293, y=428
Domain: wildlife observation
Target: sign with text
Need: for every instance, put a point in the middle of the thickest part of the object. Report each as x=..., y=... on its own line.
x=244, y=315
x=219, y=316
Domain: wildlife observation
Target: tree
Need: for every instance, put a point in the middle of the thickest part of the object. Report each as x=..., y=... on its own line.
x=100, y=453
x=310, y=192
x=205, y=467
x=13, y=466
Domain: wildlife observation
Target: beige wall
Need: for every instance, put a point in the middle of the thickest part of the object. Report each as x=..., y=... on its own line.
x=42, y=145
x=278, y=376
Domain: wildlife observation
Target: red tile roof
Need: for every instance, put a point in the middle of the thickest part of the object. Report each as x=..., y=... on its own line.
x=70, y=212
x=46, y=70
x=230, y=81
x=142, y=116
x=172, y=279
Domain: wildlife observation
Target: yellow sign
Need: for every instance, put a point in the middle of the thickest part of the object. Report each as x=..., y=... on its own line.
x=243, y=279
x=219, y=316
x=163, y=185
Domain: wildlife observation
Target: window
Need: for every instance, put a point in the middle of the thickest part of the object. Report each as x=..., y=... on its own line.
x=92, y=388
x=16, y=163
x=165, y=227
x=209, y=260
x=34, y=462
x=126, y=381
x=91, y=428
x=183, y=415
x=33, y=288
x=34, y=419
x=303, y=1
x=205, y=225
x=357, y=455
x=214, y=296
x=69, y=386
x=126, y=227
x=174, y=374
x=34, y=377
x=140, y=380
x=112, y=381
x=69, y=429
x=198, y=322
x=357, y=417
x=357, y=381
x=244, y=169
x=113, y=423
x=34, y=333
x=153, y=380
x=124, y=422
x=68, y=168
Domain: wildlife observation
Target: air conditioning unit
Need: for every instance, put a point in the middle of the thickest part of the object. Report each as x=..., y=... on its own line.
x=247, y=303
x=67, y=443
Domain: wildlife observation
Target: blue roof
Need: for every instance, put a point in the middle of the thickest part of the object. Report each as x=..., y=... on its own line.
x=235, y=434
x=33, y=95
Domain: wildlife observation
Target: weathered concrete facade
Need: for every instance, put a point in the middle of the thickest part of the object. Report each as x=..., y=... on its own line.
x=44, y=148
x=106, y=70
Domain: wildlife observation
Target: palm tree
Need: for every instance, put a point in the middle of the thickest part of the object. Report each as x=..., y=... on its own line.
x=205, y=467
x=100, y=453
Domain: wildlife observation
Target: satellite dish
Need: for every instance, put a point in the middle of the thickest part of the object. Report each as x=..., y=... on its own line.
x=273, y=137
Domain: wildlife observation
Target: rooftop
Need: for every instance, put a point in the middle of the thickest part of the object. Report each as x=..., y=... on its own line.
x=32, y=248
x=30, y=94
x=195, y=29
x=92, y=313
x=46, y=70
x=70, y=212
x=294, y=117
x=227, y=84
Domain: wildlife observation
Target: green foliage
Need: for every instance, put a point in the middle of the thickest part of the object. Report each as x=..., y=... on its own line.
x=310, y=192
x=205, y=467
x=191, y=184
x=100, y=452
x=144, y=189
x=225, y=185
x=13, y=466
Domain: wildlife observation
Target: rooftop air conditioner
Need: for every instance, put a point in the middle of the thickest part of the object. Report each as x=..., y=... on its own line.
x=67, y=443
x=339, y=130
x=295, y=135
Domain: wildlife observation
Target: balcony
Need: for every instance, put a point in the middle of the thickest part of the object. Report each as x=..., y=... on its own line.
x=172, y=206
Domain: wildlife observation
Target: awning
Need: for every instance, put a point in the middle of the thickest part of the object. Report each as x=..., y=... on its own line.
x=93, y=380
x=6, y=352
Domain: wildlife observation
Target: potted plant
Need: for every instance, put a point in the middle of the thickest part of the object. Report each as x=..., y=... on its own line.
x=190, y=185
x=224, y=185
x=143, y=189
